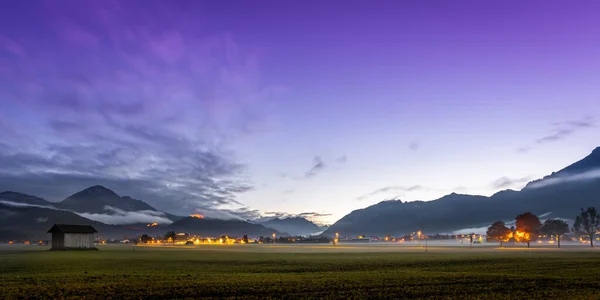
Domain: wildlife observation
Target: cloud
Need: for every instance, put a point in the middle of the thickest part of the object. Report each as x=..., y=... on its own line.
x=318, y=167
x=342, y=159
x=120, y=217
x=243, y=213
x=593, y=174
x=314, y=217
x=19, y=204
x=388, y=189
x=414, y=146
x=114, y=216
x=134, y=99
x=506, y=182
x=561, y=131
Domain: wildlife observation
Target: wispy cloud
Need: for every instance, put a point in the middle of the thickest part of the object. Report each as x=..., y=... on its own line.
x=593, y=174
x=506, y=182
x=388, y=189
x=118, y=217
x=561, y=131
x=289, y=191
x=318, y=167
x=113, y=216
x=315, y=217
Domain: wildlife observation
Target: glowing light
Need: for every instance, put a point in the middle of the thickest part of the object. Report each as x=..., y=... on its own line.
x=197, y=216
x=152, y=225
x=522, y=237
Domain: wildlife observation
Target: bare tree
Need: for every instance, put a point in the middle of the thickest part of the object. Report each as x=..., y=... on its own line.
x=587, y=223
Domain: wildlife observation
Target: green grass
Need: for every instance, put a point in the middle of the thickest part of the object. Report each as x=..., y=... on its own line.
x=214, y=273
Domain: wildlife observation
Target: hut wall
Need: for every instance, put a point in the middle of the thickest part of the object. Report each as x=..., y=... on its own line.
x=58, y=240
x=79, y=240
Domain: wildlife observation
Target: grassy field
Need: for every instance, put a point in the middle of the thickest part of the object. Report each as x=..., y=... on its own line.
x=118, y=272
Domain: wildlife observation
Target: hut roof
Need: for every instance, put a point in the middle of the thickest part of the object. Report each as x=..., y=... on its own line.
x=66, y=228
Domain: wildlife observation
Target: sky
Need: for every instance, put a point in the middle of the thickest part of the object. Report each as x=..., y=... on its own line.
x=282, y=108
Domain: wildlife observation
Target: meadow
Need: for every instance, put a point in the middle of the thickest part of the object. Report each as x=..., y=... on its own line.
x=318, y=272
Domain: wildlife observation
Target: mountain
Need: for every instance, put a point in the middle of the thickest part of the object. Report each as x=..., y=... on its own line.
x=562, y=194
x=23, y=199
x=32, y=223
x=218, y=227
x=28, y=217
x=294, y=226
x=94, y=200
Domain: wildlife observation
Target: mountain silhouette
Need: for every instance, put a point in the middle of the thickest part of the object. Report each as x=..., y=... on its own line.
x=28, y=217
x=23, y=198
x=218, y=227
x=561, y=194
x=94, y=200
x=294, y=226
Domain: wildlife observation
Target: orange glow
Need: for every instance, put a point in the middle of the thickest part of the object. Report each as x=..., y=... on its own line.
x=522, y=237
x=197, y=216
x=152, y=225
x=26, y=242
x=10, y=242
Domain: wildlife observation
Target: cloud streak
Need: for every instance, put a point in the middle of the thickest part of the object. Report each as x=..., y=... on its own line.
x=589, y=175
x=506, y=182
x=114, y=216
x=121, y=217
x=318, y=167
x=388, y=189
x=560, y=132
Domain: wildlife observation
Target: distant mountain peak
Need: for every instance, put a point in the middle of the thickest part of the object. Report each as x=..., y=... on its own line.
x=98, y=189
x=588, y=163
x=95, y=198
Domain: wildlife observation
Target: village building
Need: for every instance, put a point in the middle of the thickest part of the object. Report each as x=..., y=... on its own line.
x=65, y=237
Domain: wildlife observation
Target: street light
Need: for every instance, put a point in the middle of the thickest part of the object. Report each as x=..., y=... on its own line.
x=419, y=234
x=274, y=237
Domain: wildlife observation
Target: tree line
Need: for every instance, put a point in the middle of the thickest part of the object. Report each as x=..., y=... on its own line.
x=528, y=228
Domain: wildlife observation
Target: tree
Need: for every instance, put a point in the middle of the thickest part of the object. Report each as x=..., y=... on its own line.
x=556, y=228
x=145, y=238
x=498, y=232
x=171, y=235
x=587, y=223
x=528, y=228
x=512, y=235
x=245, y=239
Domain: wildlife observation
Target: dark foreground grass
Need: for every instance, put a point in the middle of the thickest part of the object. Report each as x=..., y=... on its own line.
x=171, y=273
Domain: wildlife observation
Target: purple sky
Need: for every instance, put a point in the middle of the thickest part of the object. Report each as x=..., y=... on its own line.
x=316, y=107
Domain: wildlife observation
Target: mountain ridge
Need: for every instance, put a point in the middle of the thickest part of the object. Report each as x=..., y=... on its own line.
x=560, y=196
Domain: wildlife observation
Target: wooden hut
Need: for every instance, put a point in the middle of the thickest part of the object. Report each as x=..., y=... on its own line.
x=66, y=237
